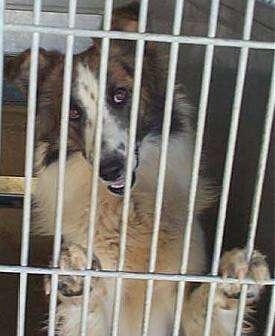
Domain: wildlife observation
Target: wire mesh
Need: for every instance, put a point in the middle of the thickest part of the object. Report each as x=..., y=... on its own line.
x=175, y=39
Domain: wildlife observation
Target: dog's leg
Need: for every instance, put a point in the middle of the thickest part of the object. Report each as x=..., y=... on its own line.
x=233, y=264
x=70, y=290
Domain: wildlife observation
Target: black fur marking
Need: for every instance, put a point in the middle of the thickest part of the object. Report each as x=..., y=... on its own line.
x=53, y=155
x=128, y=68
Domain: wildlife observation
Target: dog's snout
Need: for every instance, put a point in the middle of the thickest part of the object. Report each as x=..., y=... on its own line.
x=111, y=167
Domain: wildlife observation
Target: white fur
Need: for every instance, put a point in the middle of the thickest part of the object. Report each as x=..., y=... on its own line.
x=114, y=135
x=40, y=152
x=87, y=90
x=228, y=320
x=87, y=93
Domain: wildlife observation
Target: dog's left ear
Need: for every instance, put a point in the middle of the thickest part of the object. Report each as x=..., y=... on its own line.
x=126, y=18
x=17, y=68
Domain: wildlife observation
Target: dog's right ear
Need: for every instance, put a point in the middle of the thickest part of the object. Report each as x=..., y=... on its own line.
x=17, y=68
x=125, y=18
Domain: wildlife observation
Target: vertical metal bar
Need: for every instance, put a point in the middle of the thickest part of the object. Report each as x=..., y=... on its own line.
x=28, y=171
x=160, y=185
x=241, y=311
x=2, y=23
x=172, y=72
x=62, y=162
x=131, y=149
x=271, y=315
x=229, y=159
x=262, y=164
x=208, y=61
x=258, y=192
x=96, y=162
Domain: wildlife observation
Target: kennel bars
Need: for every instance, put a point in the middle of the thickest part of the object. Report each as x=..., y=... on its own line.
x=175, y=39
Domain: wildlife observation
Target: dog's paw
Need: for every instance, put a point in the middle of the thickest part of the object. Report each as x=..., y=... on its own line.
x=73, y=257
x=234, y=265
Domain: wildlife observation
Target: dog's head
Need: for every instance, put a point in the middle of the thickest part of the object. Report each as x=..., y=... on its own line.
x=84, y=100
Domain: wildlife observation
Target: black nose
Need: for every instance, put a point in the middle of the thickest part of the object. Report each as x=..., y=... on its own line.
x=111, y=167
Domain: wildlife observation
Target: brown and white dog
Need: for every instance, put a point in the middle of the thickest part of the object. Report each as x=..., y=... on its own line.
x=116, y=115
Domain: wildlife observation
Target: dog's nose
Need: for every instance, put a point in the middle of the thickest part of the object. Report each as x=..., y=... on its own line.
x=111, y=167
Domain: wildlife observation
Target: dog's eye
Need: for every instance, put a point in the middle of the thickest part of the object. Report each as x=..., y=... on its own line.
x=120, y=96
x=75, y=112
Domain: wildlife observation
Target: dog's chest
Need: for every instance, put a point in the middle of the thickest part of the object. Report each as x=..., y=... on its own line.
x=107, y=242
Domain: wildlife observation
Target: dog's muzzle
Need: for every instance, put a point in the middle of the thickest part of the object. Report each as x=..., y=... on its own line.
x=113, y=171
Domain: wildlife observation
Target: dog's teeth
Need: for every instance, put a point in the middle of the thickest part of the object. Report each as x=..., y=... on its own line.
x=118, y=186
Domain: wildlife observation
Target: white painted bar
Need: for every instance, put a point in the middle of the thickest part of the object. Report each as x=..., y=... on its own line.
x=21, y=317
x=131, y=149
x=197, y=40
x=130, y=275
x=208, y=61
x=271, y=315
x=62, y=163
x=258, y=192
x=172, y=72
x=96, y=162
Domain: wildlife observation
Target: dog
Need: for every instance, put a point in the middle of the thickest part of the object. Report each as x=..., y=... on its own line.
x=79, y=168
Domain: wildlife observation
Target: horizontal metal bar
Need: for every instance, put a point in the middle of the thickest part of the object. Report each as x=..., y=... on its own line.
x=14, y=185
x=197, y=40
x=83, y=7
x=132, y=275
x=15, y=43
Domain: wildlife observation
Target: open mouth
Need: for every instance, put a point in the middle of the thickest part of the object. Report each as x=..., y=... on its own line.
x=118, y=186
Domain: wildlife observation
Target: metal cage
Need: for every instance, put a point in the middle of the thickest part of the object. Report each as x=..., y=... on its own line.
x=36, y=29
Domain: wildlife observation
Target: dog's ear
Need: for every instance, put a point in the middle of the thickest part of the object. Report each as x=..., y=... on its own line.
x=126, y=18
x=17, y=68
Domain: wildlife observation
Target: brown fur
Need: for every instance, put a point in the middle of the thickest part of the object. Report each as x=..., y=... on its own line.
x=106, y=247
